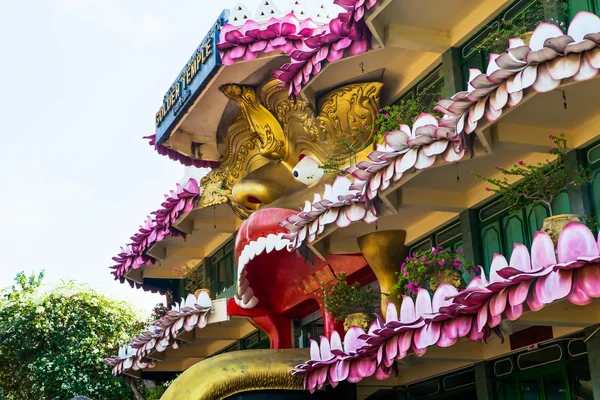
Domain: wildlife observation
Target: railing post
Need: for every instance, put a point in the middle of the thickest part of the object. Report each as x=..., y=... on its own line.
x=453, y=77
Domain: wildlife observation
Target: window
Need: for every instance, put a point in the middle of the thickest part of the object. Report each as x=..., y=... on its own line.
x=423, y=389
x=539, y=357
x=459, y=380
x=576, y=347
x=503, y=367
x=221, y=269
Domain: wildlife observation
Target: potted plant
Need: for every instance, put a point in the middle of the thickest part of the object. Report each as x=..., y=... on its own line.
x=349, y=302
x=428, y=269
x=540, y=184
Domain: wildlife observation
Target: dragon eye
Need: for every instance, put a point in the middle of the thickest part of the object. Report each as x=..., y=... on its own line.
x=296, y=174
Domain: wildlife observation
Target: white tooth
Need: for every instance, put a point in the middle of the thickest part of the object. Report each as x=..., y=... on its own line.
x=281, y=244
x=247, y=296
x=271, y=241
x=252, y=303
x=243, y=259
x=243, y=274
x=260, y=245
x=242, y=287
x=252, y=250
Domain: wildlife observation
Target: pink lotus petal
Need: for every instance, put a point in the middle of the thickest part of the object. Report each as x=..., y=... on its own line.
x=498, y=302
x=542, y=251
x=586, y=70
x=588, y=279
x=583, y=23
x=564, y=67
x=423, y=303
x=544, y=81
x=576, y=241
x=543, y=32
x=518, y=294
x=514, y=313
x=577, y=295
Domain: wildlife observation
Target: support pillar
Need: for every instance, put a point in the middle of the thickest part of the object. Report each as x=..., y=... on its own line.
x=593, y=348
x=483, y=382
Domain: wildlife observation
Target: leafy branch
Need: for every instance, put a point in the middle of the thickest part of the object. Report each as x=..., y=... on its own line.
x=540, y=183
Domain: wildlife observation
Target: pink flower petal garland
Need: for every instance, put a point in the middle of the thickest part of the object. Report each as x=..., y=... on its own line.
x=182, y=159
x=527, y=280
x=156, y=229
x=550, y=58
x=162, y=334
x=308, y=45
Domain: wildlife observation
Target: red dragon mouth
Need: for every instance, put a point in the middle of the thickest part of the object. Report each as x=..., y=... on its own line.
x=258, y=236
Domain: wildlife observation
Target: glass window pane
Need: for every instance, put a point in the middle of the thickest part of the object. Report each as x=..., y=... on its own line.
x=503, y=367
x=529, y=390
x=539, y=357
x=506, y=390
x=577, y=347
x=581, y=379
x=469, y=394
x=459, y=380
x=423, y=389
x=554, y=386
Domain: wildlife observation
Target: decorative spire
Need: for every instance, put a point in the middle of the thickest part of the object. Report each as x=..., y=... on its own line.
x=320, y=11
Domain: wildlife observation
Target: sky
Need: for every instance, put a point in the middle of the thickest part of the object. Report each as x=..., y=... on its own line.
x=80, y=83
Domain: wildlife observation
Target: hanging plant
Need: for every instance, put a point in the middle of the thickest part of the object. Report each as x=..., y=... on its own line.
x=539, y=183
x=427, y=269
x=346, y=147
x=406, y=111
x=553, y=11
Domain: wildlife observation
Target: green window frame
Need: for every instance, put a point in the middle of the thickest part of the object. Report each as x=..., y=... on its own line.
x=539, y=381
x=471, y=57
x=221, y=270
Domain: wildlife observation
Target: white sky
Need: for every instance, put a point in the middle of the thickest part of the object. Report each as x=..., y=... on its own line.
x=80, y=82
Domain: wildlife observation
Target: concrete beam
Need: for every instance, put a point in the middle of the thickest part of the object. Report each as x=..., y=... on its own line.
x=417, y=39
x=462, y=351
x=432, y=199
x=522, y=138
x=563, y=314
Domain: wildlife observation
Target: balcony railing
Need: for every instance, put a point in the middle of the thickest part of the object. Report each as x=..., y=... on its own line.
x=517, y=21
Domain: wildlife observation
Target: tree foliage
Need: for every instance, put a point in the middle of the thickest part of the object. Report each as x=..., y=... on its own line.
x=53, y=342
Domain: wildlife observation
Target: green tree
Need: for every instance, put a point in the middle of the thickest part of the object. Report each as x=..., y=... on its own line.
x=53, y=341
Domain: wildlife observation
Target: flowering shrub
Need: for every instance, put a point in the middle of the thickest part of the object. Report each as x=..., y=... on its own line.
x=342, y=299
x=540, y=183
x=427, y=269
x=159, y=311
